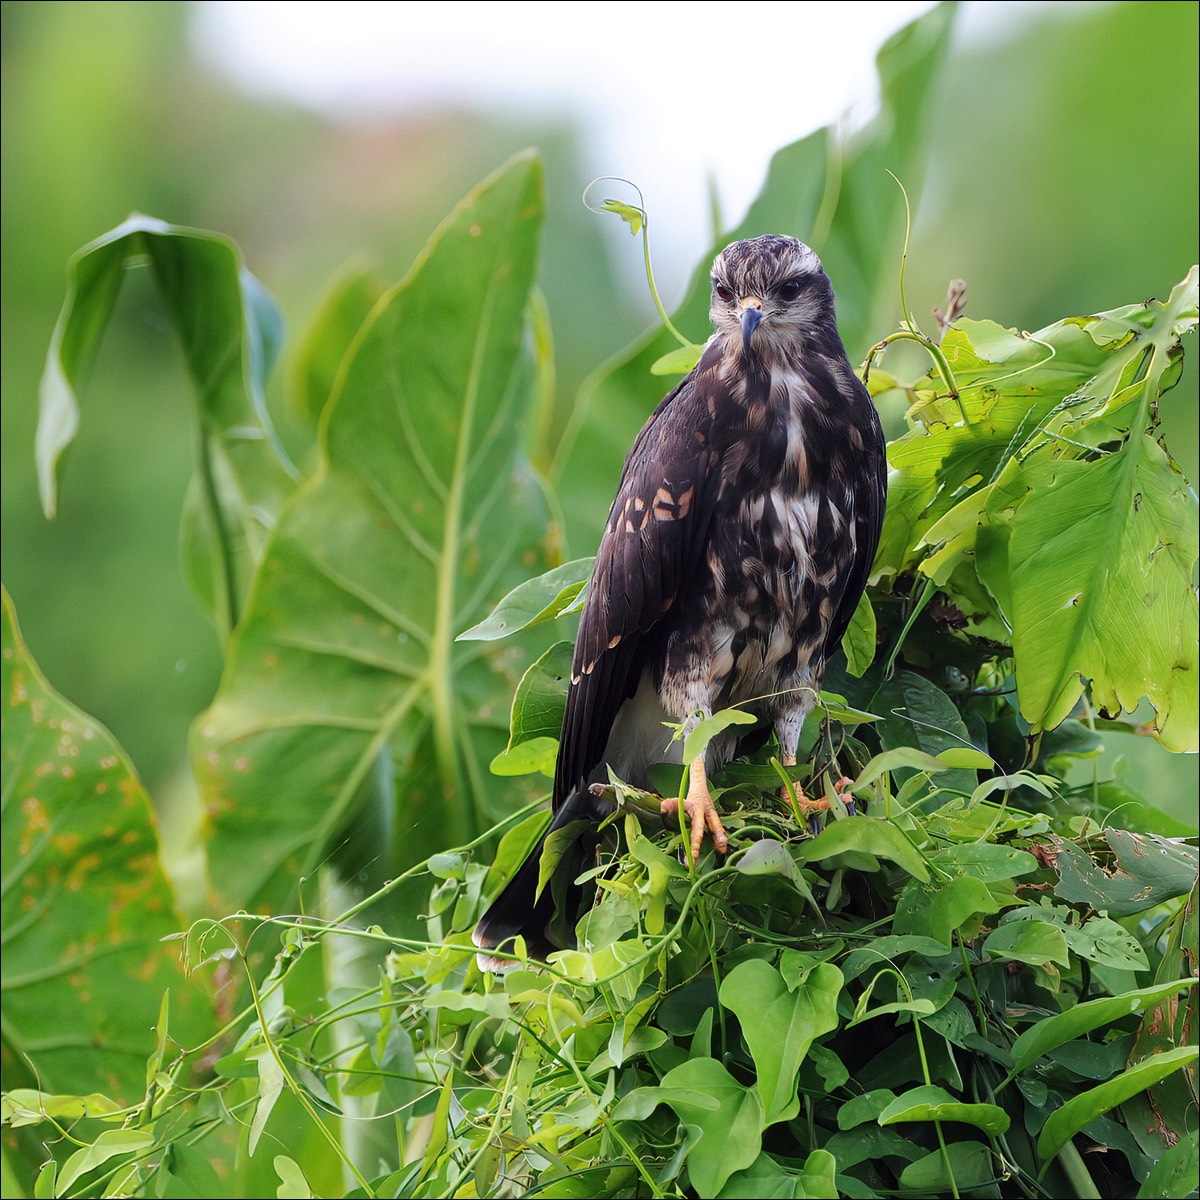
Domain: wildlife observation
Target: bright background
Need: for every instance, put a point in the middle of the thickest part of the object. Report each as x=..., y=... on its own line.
x=1061, y=178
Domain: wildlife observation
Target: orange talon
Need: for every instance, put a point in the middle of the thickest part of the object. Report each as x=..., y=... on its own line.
x=701, y=812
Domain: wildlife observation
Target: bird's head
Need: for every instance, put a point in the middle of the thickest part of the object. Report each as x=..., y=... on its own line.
x=768, y=293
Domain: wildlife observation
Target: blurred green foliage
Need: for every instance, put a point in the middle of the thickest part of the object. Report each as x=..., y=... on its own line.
x=1076, y=129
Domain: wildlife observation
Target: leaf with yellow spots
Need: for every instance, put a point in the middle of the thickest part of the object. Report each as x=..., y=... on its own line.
x=85, y=900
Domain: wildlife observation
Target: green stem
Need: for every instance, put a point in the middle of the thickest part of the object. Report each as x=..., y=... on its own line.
x=662, y=312
x=934, y=351
x=980, y=1016
x=297, y=1091
x=601, y=1116
x=927, y=592
x=1072, y=1163
x=937, y=1125
x=789, y=791
x=224, y=583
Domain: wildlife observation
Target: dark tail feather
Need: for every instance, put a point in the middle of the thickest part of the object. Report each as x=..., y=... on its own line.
x=519, y=910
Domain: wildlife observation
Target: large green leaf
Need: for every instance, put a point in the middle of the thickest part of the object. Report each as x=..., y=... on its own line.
x=1100, y=566
x=728, y=1119
x=780, y=1024
x=1150, y=869
x=422, y=514
x=85, y=901
x=834, y=195
x=229, y=330
x=1053, y=517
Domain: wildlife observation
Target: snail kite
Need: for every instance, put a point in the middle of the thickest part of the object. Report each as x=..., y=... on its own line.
x=736, y=550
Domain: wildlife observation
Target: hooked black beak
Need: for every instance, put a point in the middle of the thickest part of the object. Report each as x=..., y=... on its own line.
x=750, y=320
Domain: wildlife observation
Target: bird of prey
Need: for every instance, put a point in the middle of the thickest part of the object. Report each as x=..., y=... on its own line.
x=735, y=553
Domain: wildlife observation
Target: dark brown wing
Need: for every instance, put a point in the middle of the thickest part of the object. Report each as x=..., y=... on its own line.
x=654, y=538
x=866, y=483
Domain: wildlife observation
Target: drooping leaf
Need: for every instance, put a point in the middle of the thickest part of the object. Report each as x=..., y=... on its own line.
x=85, y=900
x=534, y=601
x=422, y=511
x=1052, y=516
x=932, y=1103
x=629, y=213
x=1065, y=1122
x=1049, y=1032
x=1033, y=942
x=1100, y=564
x=270, y=1087
x=867, y=834
x=229, y=330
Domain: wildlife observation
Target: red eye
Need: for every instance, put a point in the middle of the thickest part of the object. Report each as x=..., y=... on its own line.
x=723, y=293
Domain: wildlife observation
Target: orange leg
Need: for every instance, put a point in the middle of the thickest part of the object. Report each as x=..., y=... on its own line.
x=701, y=812
x=807, y=805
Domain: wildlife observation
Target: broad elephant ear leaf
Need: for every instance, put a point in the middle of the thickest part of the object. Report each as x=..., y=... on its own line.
x=422, y=514
x=229, y=329
x=85, y=902
x=323, y=345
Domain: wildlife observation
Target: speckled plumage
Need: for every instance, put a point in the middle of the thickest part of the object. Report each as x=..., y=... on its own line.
x=737, y=547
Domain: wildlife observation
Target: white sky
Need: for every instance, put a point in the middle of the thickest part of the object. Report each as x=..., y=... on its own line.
x=667, y=95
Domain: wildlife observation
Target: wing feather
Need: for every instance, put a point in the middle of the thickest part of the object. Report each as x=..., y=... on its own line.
x=656, y=529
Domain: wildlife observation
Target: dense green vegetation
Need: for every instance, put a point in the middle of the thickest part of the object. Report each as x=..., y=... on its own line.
x=982, y=982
